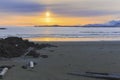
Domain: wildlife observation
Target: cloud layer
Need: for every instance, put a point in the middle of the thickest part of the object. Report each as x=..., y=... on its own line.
x=71, y=8
x=20, y=7
x=64, y=11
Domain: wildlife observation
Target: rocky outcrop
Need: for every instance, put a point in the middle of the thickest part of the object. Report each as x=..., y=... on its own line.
x=15, y=47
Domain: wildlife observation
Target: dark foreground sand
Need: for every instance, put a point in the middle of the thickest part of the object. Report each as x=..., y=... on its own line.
x=68, y=57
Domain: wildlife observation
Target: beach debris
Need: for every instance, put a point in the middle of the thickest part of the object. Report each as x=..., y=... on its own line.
x=107, y=76
x=2, y=73
x=16, y=47
x=4, y=69
x=30, y=65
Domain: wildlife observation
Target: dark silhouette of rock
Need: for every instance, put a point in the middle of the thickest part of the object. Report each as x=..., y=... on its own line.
x=3, y=28
x=34, y=54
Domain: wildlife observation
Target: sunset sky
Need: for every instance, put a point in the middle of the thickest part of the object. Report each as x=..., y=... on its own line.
x=62, y=12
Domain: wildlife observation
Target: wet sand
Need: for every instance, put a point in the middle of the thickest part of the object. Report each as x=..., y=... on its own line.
x=68, y=57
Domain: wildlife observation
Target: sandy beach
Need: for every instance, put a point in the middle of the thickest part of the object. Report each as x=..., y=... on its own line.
x=68, y=57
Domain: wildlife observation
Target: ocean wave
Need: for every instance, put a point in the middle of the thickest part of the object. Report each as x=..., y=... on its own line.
x=62, y=35
x=32, y=32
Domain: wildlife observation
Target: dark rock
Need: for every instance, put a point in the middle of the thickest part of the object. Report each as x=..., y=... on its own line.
x=51, y=50
x=44, y=46
x=35, y=63
x=15, y=47
x=24, y=67
x=44, y=56
x=33, y=54
x=8, y=66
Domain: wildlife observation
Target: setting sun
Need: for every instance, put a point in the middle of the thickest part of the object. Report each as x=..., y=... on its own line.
x=48, y=17
x=47, y=14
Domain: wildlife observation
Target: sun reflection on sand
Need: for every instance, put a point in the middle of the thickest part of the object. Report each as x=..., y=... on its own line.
x=54, y=39
x=49, y=39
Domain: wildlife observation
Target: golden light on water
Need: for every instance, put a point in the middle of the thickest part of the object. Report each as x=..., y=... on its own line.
x=50, y=39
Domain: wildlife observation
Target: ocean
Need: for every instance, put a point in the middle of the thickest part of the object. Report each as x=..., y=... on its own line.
x=63, y=33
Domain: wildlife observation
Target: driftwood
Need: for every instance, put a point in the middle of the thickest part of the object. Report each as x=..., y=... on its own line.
x=3, y=72
x=29, y=65
x=108, y=76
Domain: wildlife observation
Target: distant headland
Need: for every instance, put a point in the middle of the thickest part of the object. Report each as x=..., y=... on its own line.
x=56, y=26
x=2, y=28
x=113, y=23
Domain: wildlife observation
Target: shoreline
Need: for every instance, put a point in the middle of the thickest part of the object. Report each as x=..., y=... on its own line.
x=76, y=42
x=82, y=39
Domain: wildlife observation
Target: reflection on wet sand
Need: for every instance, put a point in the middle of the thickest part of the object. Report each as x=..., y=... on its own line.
x=50, y=39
